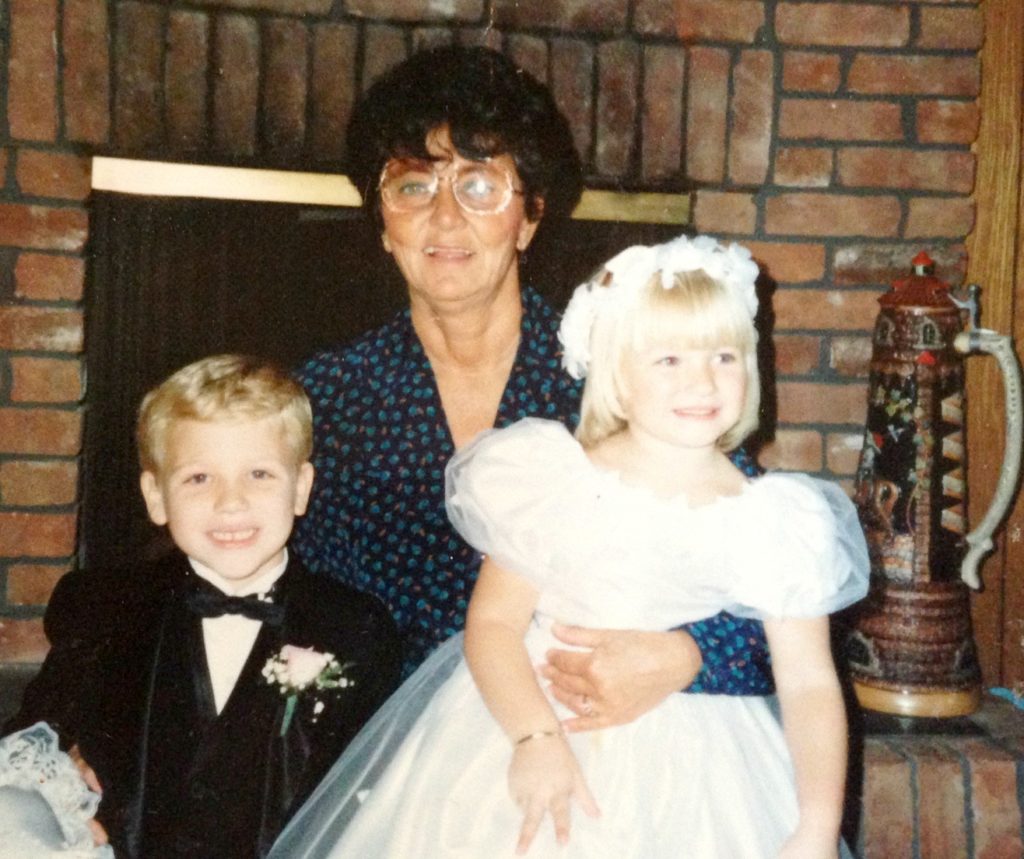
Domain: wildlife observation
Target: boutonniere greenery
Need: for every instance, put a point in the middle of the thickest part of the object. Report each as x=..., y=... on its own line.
x=296, y=670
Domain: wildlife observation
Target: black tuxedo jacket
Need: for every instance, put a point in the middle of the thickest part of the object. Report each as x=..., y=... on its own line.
x=126, y=680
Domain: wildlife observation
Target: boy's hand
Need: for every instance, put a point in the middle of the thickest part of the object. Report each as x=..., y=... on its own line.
x=99, y=834
x=544, y=777
x=87, y=773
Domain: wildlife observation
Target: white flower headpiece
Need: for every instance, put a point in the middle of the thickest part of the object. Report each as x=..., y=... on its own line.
x=623, y=277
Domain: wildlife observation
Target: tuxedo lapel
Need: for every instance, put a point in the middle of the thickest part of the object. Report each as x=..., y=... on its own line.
x=178, y=720
x=147, y=698
x=198, y=667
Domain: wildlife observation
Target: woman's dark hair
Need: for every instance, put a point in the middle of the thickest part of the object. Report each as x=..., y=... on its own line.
x=490, y=106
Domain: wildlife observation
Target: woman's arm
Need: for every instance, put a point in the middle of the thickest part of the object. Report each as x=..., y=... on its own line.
x=544, y=775
x=734, y=654
x=625, y=673
x=814, y=722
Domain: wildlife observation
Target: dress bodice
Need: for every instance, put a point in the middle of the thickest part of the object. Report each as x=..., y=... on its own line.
x=605, y=553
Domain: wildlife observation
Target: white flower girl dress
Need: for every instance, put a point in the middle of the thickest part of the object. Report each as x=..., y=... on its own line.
x=700, y=775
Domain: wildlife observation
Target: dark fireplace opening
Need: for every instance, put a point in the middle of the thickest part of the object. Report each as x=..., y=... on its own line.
x=172, y=279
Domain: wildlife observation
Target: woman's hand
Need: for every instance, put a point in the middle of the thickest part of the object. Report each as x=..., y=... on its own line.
x=622, y=675
x=543, y=778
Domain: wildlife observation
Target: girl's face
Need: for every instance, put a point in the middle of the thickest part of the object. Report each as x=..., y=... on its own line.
x=681, y=395
x=449, y=254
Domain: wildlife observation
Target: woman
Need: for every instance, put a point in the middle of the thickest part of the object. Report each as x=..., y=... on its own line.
x=459, y=155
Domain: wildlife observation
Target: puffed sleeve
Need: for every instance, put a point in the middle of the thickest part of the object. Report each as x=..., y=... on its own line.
x=804, y=554
x=508, y=492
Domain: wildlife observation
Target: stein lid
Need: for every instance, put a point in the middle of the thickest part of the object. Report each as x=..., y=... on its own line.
x=920, y=289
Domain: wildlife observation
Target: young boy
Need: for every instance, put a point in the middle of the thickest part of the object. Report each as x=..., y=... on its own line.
x=181, y=683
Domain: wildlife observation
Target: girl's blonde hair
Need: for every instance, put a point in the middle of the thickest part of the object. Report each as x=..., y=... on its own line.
x=698, y=311
x=224, y=387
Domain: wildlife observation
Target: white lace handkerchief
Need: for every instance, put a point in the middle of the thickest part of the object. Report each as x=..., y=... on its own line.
x=45, y=805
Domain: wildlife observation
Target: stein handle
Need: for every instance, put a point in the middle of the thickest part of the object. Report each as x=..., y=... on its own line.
x=979, y=541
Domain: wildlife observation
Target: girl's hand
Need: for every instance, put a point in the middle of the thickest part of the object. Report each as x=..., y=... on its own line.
x=542, y=778
x=807, y=843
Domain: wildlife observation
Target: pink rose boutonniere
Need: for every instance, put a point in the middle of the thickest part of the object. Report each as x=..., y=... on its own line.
x=295, y=669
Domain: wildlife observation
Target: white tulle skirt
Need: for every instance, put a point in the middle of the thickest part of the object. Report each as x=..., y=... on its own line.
x=700, y=776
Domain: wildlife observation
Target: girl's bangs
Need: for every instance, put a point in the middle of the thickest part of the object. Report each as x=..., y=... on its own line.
x=697, y=313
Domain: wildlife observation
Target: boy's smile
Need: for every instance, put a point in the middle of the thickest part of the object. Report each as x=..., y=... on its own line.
x=229, y=490
x=233, y=537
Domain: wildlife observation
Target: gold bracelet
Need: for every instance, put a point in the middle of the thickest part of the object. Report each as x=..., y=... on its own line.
x=536, y=735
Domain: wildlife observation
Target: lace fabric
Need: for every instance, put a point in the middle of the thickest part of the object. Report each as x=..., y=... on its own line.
x=45, y=805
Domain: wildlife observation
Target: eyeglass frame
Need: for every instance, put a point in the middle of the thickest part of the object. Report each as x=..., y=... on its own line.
x=450, y=175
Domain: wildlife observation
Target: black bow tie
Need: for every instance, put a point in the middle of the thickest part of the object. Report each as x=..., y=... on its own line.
x=205, y=600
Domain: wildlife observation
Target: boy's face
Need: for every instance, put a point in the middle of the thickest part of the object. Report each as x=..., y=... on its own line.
x=228, y=490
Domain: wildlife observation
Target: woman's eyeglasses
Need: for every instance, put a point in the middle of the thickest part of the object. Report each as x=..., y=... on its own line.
x=480, y=187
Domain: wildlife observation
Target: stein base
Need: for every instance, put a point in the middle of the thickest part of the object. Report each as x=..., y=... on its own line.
x=907, y=702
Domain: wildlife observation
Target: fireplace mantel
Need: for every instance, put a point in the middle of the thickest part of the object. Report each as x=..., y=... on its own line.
x=204, y=181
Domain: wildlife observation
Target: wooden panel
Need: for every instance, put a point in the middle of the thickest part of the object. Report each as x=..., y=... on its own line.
x=1013, y=628
x=995, y=249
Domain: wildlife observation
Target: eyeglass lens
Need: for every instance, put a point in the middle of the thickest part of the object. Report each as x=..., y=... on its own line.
x=407, y=185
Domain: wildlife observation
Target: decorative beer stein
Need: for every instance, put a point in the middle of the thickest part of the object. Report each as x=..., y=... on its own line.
x=911, y=651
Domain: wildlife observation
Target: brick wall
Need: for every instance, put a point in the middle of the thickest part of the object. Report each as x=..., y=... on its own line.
x=833, y=138
x=942, y=796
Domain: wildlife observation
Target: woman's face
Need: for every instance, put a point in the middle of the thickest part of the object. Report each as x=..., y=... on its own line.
x=449, y=255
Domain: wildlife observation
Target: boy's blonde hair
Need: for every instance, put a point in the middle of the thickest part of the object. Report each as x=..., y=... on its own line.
x=698, y=311
x=224, y=387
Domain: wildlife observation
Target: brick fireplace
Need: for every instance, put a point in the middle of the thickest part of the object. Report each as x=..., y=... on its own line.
x=834, y=138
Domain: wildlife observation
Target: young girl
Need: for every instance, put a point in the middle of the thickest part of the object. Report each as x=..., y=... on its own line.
x=640, y=522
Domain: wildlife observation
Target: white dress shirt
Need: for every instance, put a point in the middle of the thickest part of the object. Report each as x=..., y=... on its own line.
x=228, y=639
